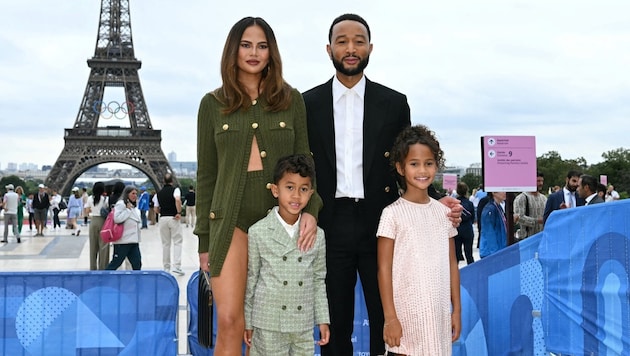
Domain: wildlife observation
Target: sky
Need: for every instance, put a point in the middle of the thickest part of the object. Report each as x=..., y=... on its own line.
x=556, y=70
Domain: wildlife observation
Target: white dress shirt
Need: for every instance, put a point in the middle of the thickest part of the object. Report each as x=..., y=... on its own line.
x=569, y=198
x=348, y=107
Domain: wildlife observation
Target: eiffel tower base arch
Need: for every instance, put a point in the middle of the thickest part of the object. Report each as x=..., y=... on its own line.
x=84, y=152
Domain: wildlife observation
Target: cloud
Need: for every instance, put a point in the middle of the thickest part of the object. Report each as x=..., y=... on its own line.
x=554, y=70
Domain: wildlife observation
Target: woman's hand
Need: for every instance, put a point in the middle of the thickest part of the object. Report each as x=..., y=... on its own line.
x=308, y=232
x=204, y=265
x=455, y=216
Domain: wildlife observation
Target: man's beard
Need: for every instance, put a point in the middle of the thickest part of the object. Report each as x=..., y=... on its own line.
x=353, y=71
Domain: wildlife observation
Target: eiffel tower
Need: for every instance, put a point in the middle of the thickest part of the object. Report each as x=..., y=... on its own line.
x=88, y=144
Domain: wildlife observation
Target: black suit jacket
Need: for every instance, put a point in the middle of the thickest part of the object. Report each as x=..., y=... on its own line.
x=41, y=204
x=555, y=199
x=386, y=113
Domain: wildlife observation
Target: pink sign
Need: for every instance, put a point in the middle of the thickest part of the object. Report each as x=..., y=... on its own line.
x=509, y=163
x=603, y=179
x=449, y=181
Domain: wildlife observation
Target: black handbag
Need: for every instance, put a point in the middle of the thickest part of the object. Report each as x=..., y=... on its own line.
x=204, y=316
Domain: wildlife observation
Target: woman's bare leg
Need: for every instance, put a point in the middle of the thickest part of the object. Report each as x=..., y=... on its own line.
x=228, y=290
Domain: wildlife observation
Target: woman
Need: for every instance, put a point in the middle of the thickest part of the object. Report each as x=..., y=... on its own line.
x=126, y=212
x=99, y=251
x=75, y=208
x=21, y=202
x=55, y=199
x=243, y=127
x=494, y=233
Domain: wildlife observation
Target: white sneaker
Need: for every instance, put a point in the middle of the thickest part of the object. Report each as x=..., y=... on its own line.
x=178, y=272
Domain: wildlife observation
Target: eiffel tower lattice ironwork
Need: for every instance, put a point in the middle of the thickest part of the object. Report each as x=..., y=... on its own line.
x=88, y=144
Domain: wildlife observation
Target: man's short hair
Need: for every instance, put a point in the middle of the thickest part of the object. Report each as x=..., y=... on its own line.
x=168, y=178
x=351, y=17
x=590, y=182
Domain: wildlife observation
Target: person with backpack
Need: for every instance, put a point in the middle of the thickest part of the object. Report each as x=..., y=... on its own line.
x=127, y=213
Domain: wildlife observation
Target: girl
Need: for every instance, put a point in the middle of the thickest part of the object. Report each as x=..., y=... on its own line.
x=243, y=127
x=418, y=276
x=126, y=212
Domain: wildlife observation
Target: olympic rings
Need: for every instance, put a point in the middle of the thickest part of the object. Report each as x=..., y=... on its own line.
x=113, y=109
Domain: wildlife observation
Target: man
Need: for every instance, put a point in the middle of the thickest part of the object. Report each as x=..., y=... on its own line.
x=41, y=203
x=611, y=194
x=529, y=208
x=169, y=206
x=587, y=190
x=10, y=206
x=565, y=197
x=143, y=206
x=352, y=124
x=191, y=214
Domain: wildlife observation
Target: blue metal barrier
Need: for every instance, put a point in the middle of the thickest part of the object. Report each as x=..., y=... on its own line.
x=88, y=313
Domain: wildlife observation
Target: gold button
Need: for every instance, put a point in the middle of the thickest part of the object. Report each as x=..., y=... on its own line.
x=225, y=127
x=268, y=186
x=263, y=154
x=254, y=102
x=283, y=124
x=255, y=125
x=386, y=155
x=212, y=215
x=387, y=189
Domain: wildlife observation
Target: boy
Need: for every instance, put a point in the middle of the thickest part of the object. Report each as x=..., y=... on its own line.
x=286, y=290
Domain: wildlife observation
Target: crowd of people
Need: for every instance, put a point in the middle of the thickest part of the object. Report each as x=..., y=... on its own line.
x=530, y=210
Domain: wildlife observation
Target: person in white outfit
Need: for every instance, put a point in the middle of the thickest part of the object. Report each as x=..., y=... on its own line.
x=10, y=205
x=128, y=247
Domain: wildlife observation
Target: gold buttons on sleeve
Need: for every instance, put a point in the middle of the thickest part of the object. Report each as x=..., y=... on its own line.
x=212, y=215
x=263, y=154
x=387, y=189
x=255, y=125
x=386, y=154
x=283, y=124
x=225, y=127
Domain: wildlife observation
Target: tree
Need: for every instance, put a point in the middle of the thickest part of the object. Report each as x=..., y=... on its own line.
x=472, y=181
x=15, y=180
x=616, y=166
x=555, y=169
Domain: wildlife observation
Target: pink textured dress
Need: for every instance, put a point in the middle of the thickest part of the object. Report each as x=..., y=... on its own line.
x=420, y=274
